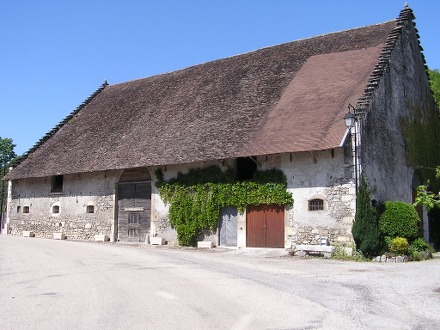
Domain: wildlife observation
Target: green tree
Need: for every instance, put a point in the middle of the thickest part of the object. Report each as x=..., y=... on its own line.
x=434, y=77
x=365, y=230
x=6, y=155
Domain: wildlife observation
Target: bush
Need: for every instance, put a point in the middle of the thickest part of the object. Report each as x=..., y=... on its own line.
x=399, y=219
x=419, y=250
x=398, y=245
x=340, y=253
x=419, y=244
x=365, y=230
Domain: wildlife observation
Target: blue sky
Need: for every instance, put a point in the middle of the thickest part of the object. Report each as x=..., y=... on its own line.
x=54, y=54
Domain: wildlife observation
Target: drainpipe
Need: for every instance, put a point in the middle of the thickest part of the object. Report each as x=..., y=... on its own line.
x=8, y=206
x=3, y=197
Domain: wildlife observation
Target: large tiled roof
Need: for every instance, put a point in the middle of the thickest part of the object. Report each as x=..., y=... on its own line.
x=286, y=98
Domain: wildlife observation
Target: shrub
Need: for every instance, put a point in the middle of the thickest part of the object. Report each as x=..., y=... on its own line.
x=398, y=245
x=340, y=253
x=365, y=228
x=419, y=250
x=419, y=244
x=399, y=219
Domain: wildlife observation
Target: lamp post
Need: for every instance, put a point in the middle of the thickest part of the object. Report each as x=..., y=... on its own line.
x=350, y=120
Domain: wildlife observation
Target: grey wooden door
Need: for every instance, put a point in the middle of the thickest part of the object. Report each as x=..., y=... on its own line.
x=134, y=205
x=228, y=227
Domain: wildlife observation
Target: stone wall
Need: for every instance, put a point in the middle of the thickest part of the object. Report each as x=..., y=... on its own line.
x=325, y=175
x=79, y=191
x=402, y=89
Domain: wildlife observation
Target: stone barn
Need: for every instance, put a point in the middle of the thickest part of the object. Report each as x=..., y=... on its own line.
x=280, y=107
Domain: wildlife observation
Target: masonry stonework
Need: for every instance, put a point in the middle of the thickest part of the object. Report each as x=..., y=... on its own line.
x=73, y=220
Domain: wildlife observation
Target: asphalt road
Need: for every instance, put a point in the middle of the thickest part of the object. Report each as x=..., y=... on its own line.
x=48, y=284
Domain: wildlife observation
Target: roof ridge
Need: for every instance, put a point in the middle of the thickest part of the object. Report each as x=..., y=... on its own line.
x=49, y=134
x=405, y=15
x=250, y=52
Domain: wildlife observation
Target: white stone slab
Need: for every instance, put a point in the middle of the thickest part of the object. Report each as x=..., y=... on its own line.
x=157, y=240
x=59, y=236
x=205, y=245
x=101, y=238
x=315, y=248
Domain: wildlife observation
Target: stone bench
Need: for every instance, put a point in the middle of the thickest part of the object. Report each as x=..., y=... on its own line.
x=306, y=249
x=59, y=236
x=205, y=244
x=28, y=233
x=101, y=238
x=157, y=240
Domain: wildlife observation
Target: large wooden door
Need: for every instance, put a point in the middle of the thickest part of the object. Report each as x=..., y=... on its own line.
x=228, y=227
x=134, y=207
x=265, y=226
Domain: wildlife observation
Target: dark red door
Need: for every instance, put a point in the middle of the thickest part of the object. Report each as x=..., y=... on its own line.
x=265, y=226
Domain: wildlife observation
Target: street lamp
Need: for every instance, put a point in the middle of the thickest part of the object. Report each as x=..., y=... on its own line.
x=350, y=120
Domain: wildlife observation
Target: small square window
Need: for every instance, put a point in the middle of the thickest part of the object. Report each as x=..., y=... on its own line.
x=25, y=209
x=55, y=209
x=90, y=209
x=316, y=204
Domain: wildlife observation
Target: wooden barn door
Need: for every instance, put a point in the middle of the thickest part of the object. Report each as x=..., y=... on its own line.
x=134, y=205
x=265, y=226
x=228, y=227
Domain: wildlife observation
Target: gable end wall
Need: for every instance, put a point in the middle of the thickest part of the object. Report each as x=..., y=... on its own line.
x=403, y=87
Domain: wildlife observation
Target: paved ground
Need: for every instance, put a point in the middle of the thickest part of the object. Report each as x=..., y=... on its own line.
x=47, y=284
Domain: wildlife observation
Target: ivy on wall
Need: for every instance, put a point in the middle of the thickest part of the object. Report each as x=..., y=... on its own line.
x=197, y=197
x=422, y=136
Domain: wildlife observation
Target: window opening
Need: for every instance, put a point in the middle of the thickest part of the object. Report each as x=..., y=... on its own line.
x=246, y=168
x=18, y=209
x=316, y=204
x=90, y=209
x=55, y=209
x=25, y=209
x=57, y=183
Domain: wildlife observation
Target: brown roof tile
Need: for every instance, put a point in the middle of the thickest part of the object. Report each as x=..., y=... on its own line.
x=285, y=98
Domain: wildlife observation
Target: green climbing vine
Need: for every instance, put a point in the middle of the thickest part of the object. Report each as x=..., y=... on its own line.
x=422, y=136
x=197, y=197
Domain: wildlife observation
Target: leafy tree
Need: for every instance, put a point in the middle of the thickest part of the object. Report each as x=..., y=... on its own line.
x=434, y=76
x=365, y=229
x=6, y=155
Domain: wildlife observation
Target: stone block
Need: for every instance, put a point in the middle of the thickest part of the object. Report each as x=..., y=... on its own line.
x=59, y=236
x=157, y=240
x=205, y=245
x=101, y=238
x=315, y=248
x=28, y=233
